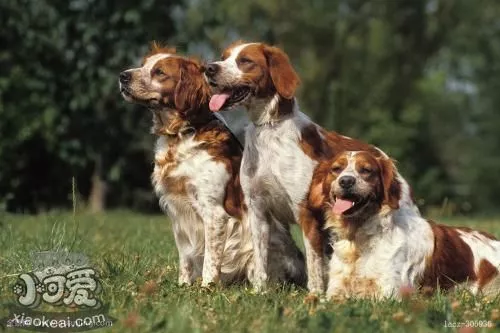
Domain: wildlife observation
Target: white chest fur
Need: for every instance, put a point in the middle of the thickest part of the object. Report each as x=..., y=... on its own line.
x=274, y=159
x=196, y=180
x=186, y=160
x=388, y=253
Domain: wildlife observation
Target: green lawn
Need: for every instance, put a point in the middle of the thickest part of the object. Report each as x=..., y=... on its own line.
x=137, y=260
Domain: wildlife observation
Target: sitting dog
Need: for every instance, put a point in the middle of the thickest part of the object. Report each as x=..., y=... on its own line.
x=196, y=175
x=282, y=149
x=380, y=248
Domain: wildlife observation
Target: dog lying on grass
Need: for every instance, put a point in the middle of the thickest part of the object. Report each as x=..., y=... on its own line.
x=196, y=175
x=381, y=250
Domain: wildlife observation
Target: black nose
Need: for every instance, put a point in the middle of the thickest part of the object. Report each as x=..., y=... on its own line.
x=212, y=69
x=347, y=181
x=125, y=77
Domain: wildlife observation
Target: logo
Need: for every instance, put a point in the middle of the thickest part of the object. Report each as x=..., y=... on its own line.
x=59, y=280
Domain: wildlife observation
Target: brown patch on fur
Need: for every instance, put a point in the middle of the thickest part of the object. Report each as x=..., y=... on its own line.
x=223, y=146
x=313, y=144
x=283, y=76
x=311, y=222
x=392, y=188
x=168, y=161
x=486, y=273
x=451, y=262
x=164, y=167
x=339, y=143
x=320, y=144
x=311, y=216
x=192, y=92
x=285, y=108
x=176, y=185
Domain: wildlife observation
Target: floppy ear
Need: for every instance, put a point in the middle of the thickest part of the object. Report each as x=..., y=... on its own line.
x=284, y=77
x=190, y=92
x=392, y=187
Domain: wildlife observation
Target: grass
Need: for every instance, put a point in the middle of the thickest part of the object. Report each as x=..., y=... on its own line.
x=137, y=261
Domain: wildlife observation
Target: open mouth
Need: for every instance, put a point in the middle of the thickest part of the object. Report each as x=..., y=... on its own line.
x=228, y=98
x=347, y=206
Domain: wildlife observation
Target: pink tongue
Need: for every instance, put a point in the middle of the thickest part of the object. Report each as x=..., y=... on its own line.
x=341, y=206
x=217, y=101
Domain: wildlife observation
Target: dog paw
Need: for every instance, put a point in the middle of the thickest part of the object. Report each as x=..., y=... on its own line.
x=184, y=282
x=208, y=286
x=339, y=298
x=259, y=290
x=259, y=285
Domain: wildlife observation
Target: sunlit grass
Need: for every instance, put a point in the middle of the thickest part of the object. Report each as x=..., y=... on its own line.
x=137, y=261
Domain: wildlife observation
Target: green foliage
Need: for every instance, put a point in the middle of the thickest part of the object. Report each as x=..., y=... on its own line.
x=61, y=110
x=417, y=78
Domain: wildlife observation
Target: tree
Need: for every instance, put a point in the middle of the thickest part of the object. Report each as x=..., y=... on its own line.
x=418, y=78
x=62, y=114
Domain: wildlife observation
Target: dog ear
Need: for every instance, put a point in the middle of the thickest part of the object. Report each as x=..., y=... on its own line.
x=190, y=92
x=284, y=77
x=391, y=186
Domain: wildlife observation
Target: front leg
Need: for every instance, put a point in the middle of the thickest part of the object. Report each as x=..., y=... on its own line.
x=215, y=238
x=337, y=278
x=185, y=262
x=313, y=243
x=260, y=239
x=185, y=270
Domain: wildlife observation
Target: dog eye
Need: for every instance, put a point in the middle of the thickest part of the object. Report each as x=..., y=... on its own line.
x=365, y=171
x=158, y=72
x=245, y=61
x=336, y=169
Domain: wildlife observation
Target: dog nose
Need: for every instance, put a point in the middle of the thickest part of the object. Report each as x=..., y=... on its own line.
x=347, y=181
x=212, y=69
x=125, y=77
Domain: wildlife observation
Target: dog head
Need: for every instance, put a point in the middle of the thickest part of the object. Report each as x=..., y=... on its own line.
x=249, y=72
x=361, y=183
x=166, y=80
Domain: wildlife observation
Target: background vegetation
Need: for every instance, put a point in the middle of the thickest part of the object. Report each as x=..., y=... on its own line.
x=418, y=78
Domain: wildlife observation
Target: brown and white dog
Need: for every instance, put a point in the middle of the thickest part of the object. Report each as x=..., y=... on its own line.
x=196, y=175
x=282, y=149
x=380, y=249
